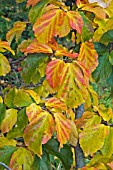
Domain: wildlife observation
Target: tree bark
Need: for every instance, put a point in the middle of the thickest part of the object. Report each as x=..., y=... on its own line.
x=79, y=155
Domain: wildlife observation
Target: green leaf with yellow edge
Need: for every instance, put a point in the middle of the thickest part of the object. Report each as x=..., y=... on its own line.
x=2, y=112
x=33, y=14
x=4, y=45
x=9, y=120
x=105, y=113
x=88, y=56
x=17, y=30
x=32, y=111
x=21, y=159
x=39, y=131
x=49, y=25
x=63, y=127
x=4, y=65
x=87, y=29
x=18, y=130
x=107, y=148
x=5, y=155
x=54, y=102
x=22, y=98
x=34, y=95
x=89, y=136
x=5, y=142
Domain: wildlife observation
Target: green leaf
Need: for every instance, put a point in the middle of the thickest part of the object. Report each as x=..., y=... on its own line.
x=65, y=153
x=107, y=149
x=87, y=29
x=30, y=65
x=4, y=65
x=5, y=154
x=37, y=10
x=111, y=57
x=100, y=48
x=22, y=121
x=43, y=163
x=21, y=159
x=2, y=112
x=104, y=68
x=107, y=37
x=22, y=98
x=9, y=98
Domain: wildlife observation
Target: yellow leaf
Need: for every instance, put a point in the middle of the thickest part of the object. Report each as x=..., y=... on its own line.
x=9, y=120
x=34, y=95
x=5, y=46
x=17, y=30
x=5, y=142
x=1, y=100
x=89, y=136
x=4, y=65
x=74, y=134
x=105, y=113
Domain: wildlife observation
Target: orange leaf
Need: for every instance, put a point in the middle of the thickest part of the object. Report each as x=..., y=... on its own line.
x=49, y=25
x=63, y=128
x=56, y=103
x=75, y=21
x=88, y=56
x=5, y=46
x=36, y=47
x=32, y=2
x=53, y=70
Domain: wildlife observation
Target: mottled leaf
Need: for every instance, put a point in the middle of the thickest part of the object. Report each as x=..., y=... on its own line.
x=9, y=120
x=5, y=142
x=55, y=103
x=17, y=30
x=9, y=98
x=34, y=95
x=4, y=65
x=21, y=159
x=105, y=113
x=2, y=112
x=63, y=128
x=88, y=56
x=90, y=136
x=5, y=155
x=38, y=132
x=49, y=25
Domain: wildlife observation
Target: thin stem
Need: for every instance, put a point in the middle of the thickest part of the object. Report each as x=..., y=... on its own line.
x=5, y=166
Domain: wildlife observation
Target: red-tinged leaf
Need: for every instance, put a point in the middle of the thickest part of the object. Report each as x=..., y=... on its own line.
x=21, y=159
x=5, y=46
x=53, y=72
x=75, y=21
x=32, y=111
x=9, y=120
x=23, y=46
x=89, y=136
x=97, y=10
x=110, y=164
x=88, y=56
x=56, y=103
x=32, y=2
x=38, y=132
x=73, y=84
x=63, y=128
x=17, y=30
x=36, y=47
x=49, y=25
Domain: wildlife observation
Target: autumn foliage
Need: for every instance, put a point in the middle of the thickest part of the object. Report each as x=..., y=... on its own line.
x=41, y=120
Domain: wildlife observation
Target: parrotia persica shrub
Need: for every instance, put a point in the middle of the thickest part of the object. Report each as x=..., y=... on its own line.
x=71, y=49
